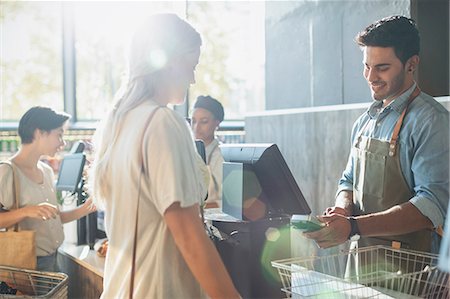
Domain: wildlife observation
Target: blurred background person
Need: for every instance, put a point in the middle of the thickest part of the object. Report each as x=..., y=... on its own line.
x=41, y=132
x=150, y=179
x=206, y=117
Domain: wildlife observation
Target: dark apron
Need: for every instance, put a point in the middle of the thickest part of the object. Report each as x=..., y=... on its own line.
x=379, y=184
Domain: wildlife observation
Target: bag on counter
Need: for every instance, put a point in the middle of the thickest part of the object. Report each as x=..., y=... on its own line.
x=18, y=247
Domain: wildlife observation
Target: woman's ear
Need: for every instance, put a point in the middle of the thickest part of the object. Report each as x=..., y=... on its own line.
x=38, y=133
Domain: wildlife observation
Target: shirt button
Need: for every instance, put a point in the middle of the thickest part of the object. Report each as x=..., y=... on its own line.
x=378, y=124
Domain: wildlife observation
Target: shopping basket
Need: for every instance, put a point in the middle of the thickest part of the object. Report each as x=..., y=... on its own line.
x=34, y=284
x=375, y=272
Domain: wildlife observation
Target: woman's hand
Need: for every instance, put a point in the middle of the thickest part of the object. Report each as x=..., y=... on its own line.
x=88, y=207
x=43, y=211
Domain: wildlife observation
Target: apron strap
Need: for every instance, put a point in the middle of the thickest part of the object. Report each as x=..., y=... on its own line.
x=398, y=125
x=440, y=231
x=358, y=139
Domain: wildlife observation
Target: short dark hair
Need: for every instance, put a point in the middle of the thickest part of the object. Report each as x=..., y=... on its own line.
x=398, y=32
x=212, y=105
x=42, y=118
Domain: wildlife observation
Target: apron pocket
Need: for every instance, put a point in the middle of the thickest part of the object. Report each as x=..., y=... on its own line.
x=374, y=174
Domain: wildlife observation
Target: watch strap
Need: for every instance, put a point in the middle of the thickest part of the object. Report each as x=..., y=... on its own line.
x=354, y=229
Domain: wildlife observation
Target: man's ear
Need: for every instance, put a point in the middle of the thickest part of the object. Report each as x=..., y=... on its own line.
x=412, y=63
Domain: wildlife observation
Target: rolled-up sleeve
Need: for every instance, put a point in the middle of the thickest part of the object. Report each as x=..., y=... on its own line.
x=346, y=180
x=430, y=167
x=6, y=187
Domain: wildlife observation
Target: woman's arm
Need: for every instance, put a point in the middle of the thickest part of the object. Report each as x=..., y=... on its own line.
x=198, y=251
x=86, y=208
x=42, y=212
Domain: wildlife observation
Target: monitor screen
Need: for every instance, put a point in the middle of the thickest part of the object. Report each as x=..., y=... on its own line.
x=70, y=172
x=257, y=183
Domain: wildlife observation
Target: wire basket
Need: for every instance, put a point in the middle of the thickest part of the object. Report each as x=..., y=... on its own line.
x=34, y=284
x=369, y=272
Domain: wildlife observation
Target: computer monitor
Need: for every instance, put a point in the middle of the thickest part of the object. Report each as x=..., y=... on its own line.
x=258, y=184
x=70, y=172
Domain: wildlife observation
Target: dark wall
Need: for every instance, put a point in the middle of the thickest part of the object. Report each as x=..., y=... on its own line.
x=432, y=17
x=312, y=59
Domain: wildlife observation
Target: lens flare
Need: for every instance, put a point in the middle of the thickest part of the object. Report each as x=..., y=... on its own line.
x=157, y=59
x=272, y=234
x=254, y=209
x=276, y=246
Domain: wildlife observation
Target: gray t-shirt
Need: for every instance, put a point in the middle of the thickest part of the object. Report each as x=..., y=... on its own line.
x=49, y=233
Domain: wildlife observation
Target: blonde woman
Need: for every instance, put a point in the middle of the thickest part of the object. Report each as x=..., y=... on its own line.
x=145, y=155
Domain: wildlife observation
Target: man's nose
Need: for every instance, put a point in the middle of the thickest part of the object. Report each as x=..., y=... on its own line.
x=371, y=75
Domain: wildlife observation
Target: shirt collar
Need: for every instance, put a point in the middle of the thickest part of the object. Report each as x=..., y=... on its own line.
x=210, y=147
x=398, y=104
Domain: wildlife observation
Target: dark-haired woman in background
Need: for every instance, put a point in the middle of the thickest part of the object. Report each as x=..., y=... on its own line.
x=41, y=131
x=207, y=115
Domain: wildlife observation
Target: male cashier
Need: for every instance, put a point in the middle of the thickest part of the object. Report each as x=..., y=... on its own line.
x=395, y=188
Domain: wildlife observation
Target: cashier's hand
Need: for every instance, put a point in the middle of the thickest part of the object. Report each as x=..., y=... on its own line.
x=334, y=233
x=335, y=210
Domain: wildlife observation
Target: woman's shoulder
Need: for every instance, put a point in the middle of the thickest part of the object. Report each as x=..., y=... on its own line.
x=169, y=114
x=169, y=119
x=5, y=169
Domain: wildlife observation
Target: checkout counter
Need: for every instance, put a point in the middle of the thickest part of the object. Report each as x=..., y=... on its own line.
x=259, y=197
x=247, y=249
x=84, y=268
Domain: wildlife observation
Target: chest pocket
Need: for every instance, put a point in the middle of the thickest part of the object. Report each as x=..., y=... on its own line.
x=369, y=172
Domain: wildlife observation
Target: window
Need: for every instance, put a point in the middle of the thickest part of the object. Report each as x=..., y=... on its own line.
x=102, y=33
x=31, y=59
x=231, y=67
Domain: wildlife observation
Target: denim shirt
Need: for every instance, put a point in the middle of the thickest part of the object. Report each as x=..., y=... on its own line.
x=424, y=149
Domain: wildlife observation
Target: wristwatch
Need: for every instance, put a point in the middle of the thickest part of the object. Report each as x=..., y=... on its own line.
x=354, y=230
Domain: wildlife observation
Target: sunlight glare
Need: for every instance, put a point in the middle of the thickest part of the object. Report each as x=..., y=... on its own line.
x=157, y=59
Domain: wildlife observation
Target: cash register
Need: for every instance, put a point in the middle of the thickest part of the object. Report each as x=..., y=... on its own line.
x=259, y=197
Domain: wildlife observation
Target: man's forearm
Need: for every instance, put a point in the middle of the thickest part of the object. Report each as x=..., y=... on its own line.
x=344, y=200
x=400, y=219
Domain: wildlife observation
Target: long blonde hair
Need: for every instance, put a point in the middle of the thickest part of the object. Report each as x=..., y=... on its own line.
x=160, y=40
